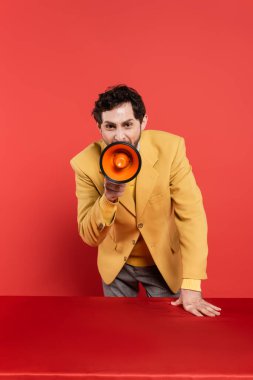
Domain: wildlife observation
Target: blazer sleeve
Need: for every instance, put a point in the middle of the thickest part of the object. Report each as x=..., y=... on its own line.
x=92, y=225
x=190, y=217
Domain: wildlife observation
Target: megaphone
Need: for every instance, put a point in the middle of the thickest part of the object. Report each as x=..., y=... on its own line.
x=120, y=162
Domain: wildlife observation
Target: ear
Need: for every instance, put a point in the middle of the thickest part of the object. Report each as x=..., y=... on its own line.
x=99, y=127
x=144, y=122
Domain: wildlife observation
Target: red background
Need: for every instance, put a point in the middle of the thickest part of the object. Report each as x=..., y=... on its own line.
x=191, y=61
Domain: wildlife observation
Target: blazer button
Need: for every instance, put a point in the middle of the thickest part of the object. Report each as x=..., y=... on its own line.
x=133, y=241
x=125, y=258
x=140, y=225
x=100, y=226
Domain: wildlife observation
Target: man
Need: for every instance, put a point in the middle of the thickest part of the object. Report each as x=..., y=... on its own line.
x=152, y=230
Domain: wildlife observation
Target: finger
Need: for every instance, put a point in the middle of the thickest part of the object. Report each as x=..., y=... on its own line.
x=205, y=311
x=112, y=188
x=115, y=188
x=116, y=185
x=108, y=182
x=212, y=310
x=176, y=303
x=205, y=308
x=193, y=311
x=213, y=306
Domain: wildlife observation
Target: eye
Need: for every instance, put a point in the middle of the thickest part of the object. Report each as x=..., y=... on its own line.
x=127, y=125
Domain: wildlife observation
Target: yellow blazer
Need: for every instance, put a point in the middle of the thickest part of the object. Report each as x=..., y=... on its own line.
x=169, y=211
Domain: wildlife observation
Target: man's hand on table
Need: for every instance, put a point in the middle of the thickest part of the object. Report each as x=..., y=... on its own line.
x=192, y=301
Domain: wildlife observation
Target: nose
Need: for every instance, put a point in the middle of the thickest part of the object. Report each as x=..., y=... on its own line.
x=119, y=135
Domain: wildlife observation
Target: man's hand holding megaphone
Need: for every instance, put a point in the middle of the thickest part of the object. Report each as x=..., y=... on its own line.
x=120, y=163
x=113, y=190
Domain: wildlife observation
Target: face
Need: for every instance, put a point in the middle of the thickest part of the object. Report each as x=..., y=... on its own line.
x=119, y=124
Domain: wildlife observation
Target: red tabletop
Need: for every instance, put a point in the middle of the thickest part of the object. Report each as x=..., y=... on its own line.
x=123, y=338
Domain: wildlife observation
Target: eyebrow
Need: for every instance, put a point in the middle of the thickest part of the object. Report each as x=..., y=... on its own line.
x=124, y=122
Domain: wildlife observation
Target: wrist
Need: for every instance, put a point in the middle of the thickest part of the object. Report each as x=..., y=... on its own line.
x=111, y=199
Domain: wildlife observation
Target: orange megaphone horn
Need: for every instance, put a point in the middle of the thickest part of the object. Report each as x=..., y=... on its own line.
x=120, y=162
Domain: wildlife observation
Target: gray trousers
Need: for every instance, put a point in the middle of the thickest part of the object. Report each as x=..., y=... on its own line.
x=126, y=284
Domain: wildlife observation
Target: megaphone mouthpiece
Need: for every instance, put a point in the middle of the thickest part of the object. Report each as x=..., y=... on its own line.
x=121, y=160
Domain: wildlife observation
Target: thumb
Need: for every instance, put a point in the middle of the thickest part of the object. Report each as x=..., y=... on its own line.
x=176, y=303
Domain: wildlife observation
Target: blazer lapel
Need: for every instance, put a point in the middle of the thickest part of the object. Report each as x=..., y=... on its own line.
x=147, y=177
x=127, y=200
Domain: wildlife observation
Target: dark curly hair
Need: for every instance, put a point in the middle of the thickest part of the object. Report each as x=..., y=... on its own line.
x=116, y=95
